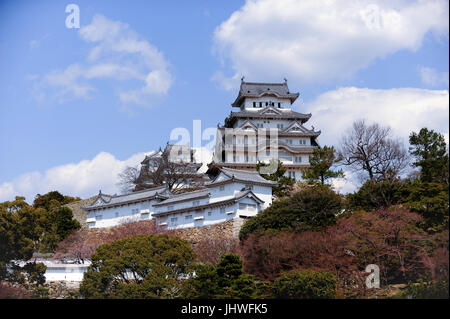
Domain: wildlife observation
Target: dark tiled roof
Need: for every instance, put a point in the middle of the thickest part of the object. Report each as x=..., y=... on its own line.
x=184, y=197
x=251, y=89
x=114, y=200
x=246, y=176
x=261, y=113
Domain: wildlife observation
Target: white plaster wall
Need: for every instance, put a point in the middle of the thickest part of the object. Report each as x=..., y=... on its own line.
x=265, y=123
x=184, y=204
x=217, y=216
x=248, y=102
x=65, y=273
x=114, y=216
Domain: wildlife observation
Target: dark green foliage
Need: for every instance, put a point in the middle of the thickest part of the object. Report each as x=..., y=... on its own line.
x=204, y=285
x=19, y=232
x=311, y=208
x=321, y=162
x=430, y=152
x=431, y=201
x=375, y=195
x=141, y=266
x=305, y=284
x=284, y=183
x=225, y=280
x=52, y=200
x=426, y=289
x=65, y=224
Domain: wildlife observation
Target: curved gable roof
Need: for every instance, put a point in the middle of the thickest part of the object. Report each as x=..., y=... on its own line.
x=253, y=89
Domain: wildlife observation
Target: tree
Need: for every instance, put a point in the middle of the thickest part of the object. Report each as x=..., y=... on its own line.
x=82, y=243
x=141, y=266
x=52, y=200
x=321, y=162
x=19, y=234
x=128, y=179
x=388, y=238
x=430, y=152
x=161, y=170
x=305, y=284
x=210, y=249
x=224, y=280
x=369, y=148
x=431, y=201
x=374, y=195
x=284, y=182
x=313, y=207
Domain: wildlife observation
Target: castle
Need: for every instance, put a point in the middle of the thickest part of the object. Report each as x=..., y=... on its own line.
x=265, y=127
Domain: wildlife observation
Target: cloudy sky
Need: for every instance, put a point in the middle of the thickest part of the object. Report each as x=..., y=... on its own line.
x=80, y=104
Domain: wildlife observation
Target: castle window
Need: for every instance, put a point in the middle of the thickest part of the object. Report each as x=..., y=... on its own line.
x=173, y=219
x=195, y=203
x=188, y=217
x=209, y=213
x=222, y=210
x=117, y=214
x=254, y=104
x=260, y=104
x=222, y=188
x=279, y=105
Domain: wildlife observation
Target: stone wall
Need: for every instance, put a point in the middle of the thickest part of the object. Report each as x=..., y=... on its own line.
x=79, y=214
x=195, y=234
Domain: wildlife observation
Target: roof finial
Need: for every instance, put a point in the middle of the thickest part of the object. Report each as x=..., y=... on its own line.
x=242, y=79
x=285, y=80
x=100, y=192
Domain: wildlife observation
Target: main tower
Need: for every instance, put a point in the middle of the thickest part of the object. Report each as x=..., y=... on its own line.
x=264, y=127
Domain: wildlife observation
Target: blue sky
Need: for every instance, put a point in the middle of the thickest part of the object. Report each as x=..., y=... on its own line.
x=79, y=104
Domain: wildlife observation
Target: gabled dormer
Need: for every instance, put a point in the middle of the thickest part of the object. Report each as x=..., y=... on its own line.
x=247, y=126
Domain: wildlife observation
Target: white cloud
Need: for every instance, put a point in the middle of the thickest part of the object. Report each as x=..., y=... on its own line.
x=432, y=77
x=120, y=54
x=404, y=109
x=82, y=179
x=315, y=41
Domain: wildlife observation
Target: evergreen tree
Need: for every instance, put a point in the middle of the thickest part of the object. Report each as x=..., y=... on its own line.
x=321, y=162
x=430, y=151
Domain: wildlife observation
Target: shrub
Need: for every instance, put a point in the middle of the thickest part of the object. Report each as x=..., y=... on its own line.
x=426, y=290
x=141, y=266
x=305, y=284
x=311, y=208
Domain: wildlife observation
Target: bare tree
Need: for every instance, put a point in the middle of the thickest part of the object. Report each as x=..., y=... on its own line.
x=371, y=149
x=161, y=168
x=128, y=179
